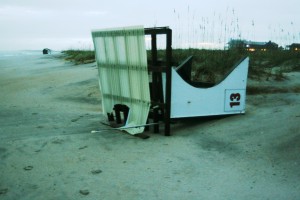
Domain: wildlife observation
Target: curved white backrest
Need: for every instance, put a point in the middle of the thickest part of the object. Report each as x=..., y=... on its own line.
x=228, y=97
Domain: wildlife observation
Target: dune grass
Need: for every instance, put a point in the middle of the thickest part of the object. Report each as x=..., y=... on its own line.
x=79, y=56
x=209, y=65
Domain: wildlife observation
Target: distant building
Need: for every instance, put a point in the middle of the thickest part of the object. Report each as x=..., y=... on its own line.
x=237, y=44
x=252, y=46
x=46, y=51
x=294, y=47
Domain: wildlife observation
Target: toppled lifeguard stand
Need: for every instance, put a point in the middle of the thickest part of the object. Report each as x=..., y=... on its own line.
x=136, y=91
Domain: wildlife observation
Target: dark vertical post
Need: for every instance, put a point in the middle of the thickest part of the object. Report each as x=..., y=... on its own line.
x=154, y=79
x=147, y=127
x=153, y=49
x=126, y=112
x=154, y=63
x=155, y=120
x=168, y=82
x=118, y=116
x=110, y=117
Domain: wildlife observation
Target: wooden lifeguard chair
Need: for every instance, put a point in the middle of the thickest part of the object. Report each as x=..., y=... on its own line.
x=136, y=91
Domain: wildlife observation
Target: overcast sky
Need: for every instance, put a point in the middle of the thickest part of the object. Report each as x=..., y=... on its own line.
x=66, y=24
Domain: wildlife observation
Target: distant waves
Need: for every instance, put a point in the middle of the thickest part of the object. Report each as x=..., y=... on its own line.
x=6, y=54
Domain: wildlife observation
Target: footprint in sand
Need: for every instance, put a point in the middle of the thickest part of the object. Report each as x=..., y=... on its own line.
x=84, y=192
x=97, y=171
x=28, y=168
x=57, y=141
x=75, y=120
x=3, y=191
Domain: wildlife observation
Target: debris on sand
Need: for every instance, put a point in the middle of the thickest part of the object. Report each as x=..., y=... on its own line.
x=27, y=168
x=84, y=192
x=3, y=191
x=97, y=171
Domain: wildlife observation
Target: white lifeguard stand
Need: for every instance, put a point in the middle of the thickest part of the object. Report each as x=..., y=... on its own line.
x=156, y=90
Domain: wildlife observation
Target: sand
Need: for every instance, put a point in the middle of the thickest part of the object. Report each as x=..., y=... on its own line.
x=48, y=108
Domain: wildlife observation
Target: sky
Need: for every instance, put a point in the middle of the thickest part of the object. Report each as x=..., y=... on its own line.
x=62, y=25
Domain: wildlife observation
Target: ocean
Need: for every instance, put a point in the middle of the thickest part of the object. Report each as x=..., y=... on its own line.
x=7, y=54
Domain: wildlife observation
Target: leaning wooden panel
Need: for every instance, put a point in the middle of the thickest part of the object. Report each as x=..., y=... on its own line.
x=123, y=75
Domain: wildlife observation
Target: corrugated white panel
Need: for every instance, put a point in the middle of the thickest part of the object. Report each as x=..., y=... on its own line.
x=123, y=73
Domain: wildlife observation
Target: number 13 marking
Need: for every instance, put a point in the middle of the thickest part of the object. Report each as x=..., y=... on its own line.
x=235, y=99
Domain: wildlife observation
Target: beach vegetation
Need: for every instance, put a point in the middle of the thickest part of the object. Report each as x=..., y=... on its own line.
x=211, y=65
x=79, y=56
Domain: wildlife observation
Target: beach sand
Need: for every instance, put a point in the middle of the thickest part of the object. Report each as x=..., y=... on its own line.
x=48, y=108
